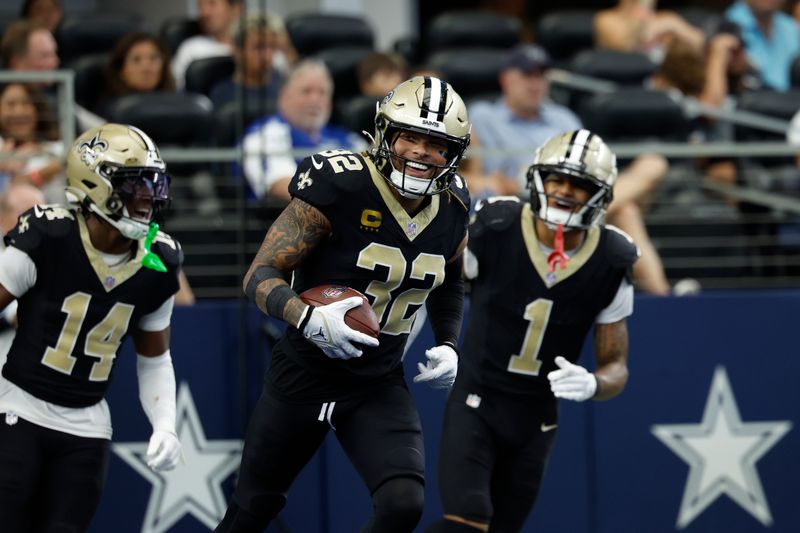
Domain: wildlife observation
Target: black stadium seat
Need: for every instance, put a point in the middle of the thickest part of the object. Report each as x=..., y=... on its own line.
x=90, y=78
x=626, y=68
x=92, y=33
x=635, y=114
x=460, y=29
x=780, y=105
x=203, y=74
x=356, y=113
x=342, y=61
x=565, y=33
x=233, y=119
x=170, y=118
x=473, y=72
x=312, y=33
x=176, y=30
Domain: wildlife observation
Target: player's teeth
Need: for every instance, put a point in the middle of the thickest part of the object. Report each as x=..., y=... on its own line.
x=417, y=166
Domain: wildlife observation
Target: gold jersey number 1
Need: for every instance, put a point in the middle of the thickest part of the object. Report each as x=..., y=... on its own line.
x=527, y=362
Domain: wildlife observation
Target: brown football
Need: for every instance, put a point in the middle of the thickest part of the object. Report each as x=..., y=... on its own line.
x=361, y=318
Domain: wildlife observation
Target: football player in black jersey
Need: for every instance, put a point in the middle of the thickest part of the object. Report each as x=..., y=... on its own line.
x=543, y=273
x=78, y=275
x=390, y=223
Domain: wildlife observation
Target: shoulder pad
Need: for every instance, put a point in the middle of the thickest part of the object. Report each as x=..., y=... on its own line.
x=621, y=250
x=49, y=220
x=498, y=212
x=459, y=192
x=320, y=176
x=168, y=249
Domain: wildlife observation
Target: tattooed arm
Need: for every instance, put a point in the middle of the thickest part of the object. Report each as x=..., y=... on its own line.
x=290, y=239
x=611, y=352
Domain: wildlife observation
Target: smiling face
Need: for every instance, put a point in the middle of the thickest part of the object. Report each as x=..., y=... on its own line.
x=418, y=153
x=142, y=68
x=17, y=113
x=568, y=193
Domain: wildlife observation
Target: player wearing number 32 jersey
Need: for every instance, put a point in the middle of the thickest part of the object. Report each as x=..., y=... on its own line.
x=543, y=274
x=85, y=276
x=392, y=224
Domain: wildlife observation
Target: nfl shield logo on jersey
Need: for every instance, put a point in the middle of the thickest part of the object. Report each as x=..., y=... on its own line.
x=109, y=282
x=412, y=228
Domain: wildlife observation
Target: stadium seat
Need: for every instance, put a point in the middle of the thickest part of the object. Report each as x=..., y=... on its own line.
x=176, y=30
x=626, y=68
x=93, y=33
x=202, y=74
x=565, y=33
x=356, y=113
x=794, y=73
x=343, y=62
x=233, y=119
x=460, y=29
x=313, y=32
x=781, y=105
x=170, y=118
x=700, y=17
x=473, y=72
x=635, y=114
x=89, y=78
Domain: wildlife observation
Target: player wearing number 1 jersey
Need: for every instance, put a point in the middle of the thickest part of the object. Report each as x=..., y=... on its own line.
x=392, y=224
x=543, y=273
x=85, y=276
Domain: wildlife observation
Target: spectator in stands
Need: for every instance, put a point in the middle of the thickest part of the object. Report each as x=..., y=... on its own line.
x=28, y=130
x=139, y=63
x=771, y=38
x=522, y=120
x=379, y=73
x=47, y=13
x=29, y=46
x=636, y=26
x=255, y=80
x=304, y=107
x=216, y=18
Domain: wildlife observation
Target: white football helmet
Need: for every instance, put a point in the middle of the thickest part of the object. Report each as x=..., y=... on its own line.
x=426, y=105
x=583, y=156
x=111, y=164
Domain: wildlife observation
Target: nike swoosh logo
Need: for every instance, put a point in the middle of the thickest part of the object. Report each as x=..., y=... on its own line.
x=317, y=166
x=37, y=211
x=548, y=427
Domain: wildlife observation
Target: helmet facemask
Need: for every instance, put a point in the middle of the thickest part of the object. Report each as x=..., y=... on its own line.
x=133, y=187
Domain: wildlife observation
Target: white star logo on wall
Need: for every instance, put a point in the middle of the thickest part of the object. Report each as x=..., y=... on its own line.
x=193, y=487
x=722, y=452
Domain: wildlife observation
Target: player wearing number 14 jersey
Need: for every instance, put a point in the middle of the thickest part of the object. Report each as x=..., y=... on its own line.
x=543, y=273
x=391, y=224
x=85, y=277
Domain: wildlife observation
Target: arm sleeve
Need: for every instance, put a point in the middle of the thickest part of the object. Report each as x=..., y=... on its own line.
x=159, y=319
x=446, y=305
x=17, y=271
x=157, y=390
x=620, y=307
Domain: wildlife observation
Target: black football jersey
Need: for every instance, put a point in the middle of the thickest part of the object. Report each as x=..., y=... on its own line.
x=375, y=247
x=522, y=316
x=75, y=317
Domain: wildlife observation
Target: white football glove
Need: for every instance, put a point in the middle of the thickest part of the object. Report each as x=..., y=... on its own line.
x=440, y=372
x=326, y=328
x=164, y=451
x=572, y=382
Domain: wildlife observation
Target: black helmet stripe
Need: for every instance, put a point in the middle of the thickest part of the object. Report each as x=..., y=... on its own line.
x=578, y=145
x=434, y=99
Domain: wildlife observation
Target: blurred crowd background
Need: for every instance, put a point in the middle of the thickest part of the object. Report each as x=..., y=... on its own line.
x=699, y=99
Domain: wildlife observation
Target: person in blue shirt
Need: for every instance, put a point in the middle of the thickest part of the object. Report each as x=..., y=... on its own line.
x=771, y=38
x=304, y=107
